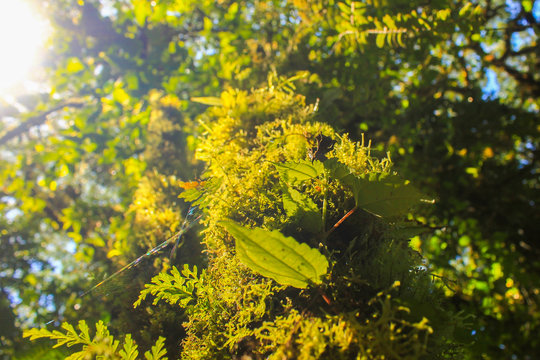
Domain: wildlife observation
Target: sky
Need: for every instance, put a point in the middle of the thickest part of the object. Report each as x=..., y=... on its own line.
x=23, y=37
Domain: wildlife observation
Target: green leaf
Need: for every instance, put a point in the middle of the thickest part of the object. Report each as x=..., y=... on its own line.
x=336, y=169
x=85, y=335
x=191, y=194
x=132, y=81
x=380, y=40
x=465, y=8
x=74, y=65
x=142, y=10
x=407, y=231
x=476, y=37
x=383, y=196
x=400, y=39
x=277, y=256
x=208, y=100
x=527, y=5
x=233, y=10
x=300, y=171
x=387, y=19
x=120, y=95
x=443, y=14
x=302, y=209
x=158, y=352
x=345, y=9
x=34, y=334
x=174, y=288
x=130, y=351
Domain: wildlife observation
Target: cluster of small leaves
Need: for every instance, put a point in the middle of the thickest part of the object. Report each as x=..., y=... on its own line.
x=175, y=287
x=391, y=24
x=384, y=336
x=228, y=305
x=101, y=345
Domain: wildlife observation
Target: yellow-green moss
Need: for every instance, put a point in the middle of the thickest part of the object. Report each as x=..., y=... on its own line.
x=238, y=313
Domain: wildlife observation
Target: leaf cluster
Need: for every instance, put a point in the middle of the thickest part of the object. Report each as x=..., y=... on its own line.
x=101, y=345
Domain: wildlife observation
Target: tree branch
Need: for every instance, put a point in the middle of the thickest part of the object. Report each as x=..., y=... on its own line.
x=35, y=121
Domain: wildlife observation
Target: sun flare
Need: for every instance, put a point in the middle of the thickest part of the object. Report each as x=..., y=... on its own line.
x=22, y=36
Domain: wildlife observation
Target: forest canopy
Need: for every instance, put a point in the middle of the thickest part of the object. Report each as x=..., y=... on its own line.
x=386, y=153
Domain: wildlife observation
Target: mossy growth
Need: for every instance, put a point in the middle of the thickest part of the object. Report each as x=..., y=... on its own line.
x=271, y=168
x=376, y=300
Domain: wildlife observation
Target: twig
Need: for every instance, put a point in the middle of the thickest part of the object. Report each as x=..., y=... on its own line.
x=340, y=221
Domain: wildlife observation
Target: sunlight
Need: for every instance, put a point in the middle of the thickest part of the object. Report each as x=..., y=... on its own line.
x=22, y=36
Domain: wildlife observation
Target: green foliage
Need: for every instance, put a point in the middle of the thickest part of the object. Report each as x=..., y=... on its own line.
x=278, y=257
x=265, y=180
x=384, y=336
x=300, y=171
x=101, y=345
x=92, y=165
x=383, y=195
x=270, y=293
x=176, y=288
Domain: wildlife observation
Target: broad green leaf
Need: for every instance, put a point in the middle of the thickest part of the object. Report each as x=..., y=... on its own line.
x=300, y=171
x=208, y=100
x=302, y=209
x=407, y=231
x=383, y=196
x=336, y=169
x=277, y=256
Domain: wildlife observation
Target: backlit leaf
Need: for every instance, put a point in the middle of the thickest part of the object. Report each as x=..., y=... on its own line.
x=302, y=209
x=129, y=352
x=158, y=350
x=383, y=196
x=337, y=170
x=300, y=171
x=380, y=40
x=208, y=100
x=277, y=256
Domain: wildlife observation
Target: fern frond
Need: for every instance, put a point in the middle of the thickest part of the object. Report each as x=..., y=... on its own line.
x=129, y=352
x=157, y=352
x=175, y=288
x=102, y=345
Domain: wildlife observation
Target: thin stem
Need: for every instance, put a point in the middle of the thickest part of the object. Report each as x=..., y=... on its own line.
x=325, y=204
x=341, y=220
